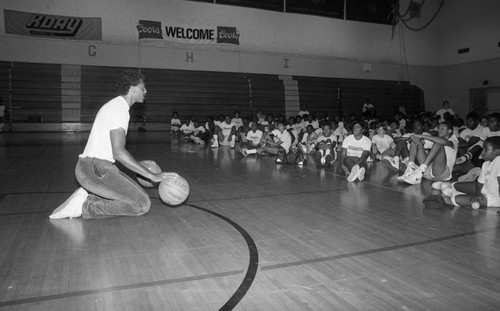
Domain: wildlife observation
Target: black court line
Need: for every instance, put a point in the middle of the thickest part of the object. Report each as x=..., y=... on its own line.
x=118, y=288
x=229, y=305
x=375, y=250
x=253, y=262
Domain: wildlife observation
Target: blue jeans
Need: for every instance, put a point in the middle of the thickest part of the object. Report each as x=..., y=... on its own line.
x=111, y=192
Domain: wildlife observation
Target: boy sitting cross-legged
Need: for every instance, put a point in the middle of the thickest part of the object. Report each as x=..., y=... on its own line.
x=251, y=141
x=325, y=146
x=437, y=164
x=355, y=151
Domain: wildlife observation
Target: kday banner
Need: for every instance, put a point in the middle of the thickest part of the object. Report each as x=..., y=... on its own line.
x=55, y=26
x=186, y=34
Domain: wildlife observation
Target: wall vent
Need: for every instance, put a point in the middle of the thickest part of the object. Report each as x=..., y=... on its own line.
x=462, y=51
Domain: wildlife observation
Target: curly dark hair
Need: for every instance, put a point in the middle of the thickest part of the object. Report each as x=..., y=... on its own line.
x=127, y=79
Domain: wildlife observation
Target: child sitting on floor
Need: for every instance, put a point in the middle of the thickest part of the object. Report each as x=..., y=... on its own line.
x=485, y=191
x=355, y=152
x=325, y=146
x=175, y=124
x=437, y=164
x=381, y=144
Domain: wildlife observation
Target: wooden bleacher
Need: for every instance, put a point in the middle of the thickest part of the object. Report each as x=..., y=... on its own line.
x=36, y=92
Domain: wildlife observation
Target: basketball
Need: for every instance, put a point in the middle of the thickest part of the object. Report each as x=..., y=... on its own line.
x=153, y=167
x=174, y=191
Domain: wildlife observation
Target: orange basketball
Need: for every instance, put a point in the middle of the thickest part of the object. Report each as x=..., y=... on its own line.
x=174, y=191
x=153, y=167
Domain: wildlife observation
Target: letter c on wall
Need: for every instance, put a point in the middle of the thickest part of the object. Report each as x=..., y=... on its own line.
x=92, y=50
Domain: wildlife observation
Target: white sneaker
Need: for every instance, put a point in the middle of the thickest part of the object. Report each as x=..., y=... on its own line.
x=409, y=170
x=215, y=144
x=323, y=160
x=72, y=207
x=361, y=174
x=354, y=173
x=414, y=178
x=446, y=185
x=437, y=185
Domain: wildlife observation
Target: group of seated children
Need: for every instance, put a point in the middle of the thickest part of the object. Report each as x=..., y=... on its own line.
x=432, y=151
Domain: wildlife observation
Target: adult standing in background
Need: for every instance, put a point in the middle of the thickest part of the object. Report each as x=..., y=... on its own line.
x=441, y=112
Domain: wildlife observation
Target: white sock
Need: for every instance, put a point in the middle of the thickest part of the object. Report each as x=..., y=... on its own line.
x=422, y=168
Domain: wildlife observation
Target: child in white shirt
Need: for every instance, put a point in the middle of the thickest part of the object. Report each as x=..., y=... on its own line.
x=175, y=124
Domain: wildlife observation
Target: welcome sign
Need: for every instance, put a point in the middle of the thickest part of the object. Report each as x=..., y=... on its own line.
x=188, y=34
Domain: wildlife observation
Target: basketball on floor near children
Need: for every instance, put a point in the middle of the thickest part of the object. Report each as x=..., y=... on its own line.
x=174, y=191
x=153, y=167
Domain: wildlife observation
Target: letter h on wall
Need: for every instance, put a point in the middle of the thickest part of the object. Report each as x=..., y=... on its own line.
x=189, y=57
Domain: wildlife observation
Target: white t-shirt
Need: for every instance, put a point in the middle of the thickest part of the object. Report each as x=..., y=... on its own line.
x=314, y=123
x=382, y=143
x=340, y=132
x=467, y=133
x=238, y=122
x=442, y=111
x=490, y=172
x=303, y=112
x=327, y=139
x=187, y=129
x=478, y=132
x=175, y=123
x=309, y=139
x=112, y=115
x=298, y=127
x=356, y=147
x=285, y=137
x=488, y=133
x=226, y=128
x=254, y=137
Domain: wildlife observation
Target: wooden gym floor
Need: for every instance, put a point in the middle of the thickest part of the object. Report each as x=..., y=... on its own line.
x=253, y=236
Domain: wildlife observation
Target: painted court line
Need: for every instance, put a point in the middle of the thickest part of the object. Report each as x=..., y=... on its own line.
x=375, y=250
x=118, y=288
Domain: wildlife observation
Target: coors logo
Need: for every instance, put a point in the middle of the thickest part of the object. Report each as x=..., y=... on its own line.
x=228, y=35
x=50, y=25
x=149, y=29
